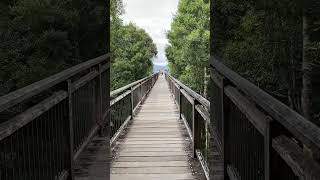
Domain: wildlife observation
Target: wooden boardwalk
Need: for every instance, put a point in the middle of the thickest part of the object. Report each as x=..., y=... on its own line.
x=155, y=146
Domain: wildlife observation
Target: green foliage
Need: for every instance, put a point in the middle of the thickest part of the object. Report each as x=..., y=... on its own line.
x=132, y=49
x=263, y=42
x=42, y=37
x=188, y=52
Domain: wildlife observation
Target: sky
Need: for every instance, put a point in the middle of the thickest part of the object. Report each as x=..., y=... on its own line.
x=155, y=16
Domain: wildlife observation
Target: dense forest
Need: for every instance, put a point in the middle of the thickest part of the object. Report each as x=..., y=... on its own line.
x=188, y=50
x=274, y=44
x=42, y=37
x=132, y=49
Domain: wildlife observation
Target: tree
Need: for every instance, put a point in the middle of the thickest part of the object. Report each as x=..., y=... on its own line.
x=263, y=42
x=188, y=52
x=42, y=37
x=132, y=49
x=311, y=61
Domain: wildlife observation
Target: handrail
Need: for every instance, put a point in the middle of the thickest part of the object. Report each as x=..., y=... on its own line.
x=51, y=128
x=192, y=93
x=19, y=95
x=125, y=102
x=126, y=87
x=303, y=129
x=259, y=136
x=194, y=110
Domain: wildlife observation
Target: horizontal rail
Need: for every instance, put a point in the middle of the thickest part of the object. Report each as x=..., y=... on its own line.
x=120, y=90
x=192, y=93
x=259, y=136
x=303, y=129
x=303, y=166
x=125, y=102
x=51, y=121
x=194, y=111
x=11, y=126
x=19, y=95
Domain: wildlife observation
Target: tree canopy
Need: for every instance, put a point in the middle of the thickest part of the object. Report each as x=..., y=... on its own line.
x=274, y=44
x=42, y=37
x=132, y=50
x=188, y=52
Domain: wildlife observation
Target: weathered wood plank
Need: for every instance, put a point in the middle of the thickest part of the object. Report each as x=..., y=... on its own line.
x=151, y=159
x=185, y=176
x=151, y=164
x=155, y=145
x=151, y=170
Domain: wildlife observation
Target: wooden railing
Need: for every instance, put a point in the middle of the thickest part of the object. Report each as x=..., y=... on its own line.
x=194, y=111
x=48, y=123
x=258, y=136
x=125, y=102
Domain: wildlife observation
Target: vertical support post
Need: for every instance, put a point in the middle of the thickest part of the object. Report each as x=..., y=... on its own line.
x=180, y=107
x=70, y=177
x=99, y=117
x=224, y=141
x=131, y=94
x=267, y=149
x=108, y=120
x=195, y=129
x=140, y=91
x=212, y=140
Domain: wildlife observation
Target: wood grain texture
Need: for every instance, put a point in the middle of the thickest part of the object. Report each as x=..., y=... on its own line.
x=155, y=144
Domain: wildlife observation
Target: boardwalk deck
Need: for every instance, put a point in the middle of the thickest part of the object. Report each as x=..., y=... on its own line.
x=156, y=142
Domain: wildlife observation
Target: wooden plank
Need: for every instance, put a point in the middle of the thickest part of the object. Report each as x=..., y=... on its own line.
x=254, y=115
x=151, y=149
x=152, y=154
x=180, y=145
x=301, y=164
x=304, y=130
x=151, y=159
x=187, y=96
x=150, y=170
x=151, y=164
x=9, y=127
x=185, y=176
x=93, y=161
x=155, y=145
x=154, y=142
x=19, y=95
x=154, y=139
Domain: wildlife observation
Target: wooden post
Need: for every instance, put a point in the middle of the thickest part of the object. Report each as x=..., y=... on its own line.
x=140, y=95
x=180, y=103
x=224, y=113
x=99, y=117
x=193, y=133
x=70, y=177
x=131, y=94
x=196, y=130
x=267, y=149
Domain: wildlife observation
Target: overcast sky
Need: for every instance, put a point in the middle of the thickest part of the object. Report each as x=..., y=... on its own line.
x=155, y=17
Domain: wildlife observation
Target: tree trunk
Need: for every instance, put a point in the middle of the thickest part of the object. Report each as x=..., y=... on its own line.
x=306, y=101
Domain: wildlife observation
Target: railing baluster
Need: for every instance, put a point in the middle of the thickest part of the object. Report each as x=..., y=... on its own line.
x=71, y=133
x=131, y=100
x=195, y=131
x=180, y=107
x=126, y=101
x=44, y=136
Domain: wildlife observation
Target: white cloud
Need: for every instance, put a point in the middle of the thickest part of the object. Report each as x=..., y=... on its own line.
x=155, y=17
